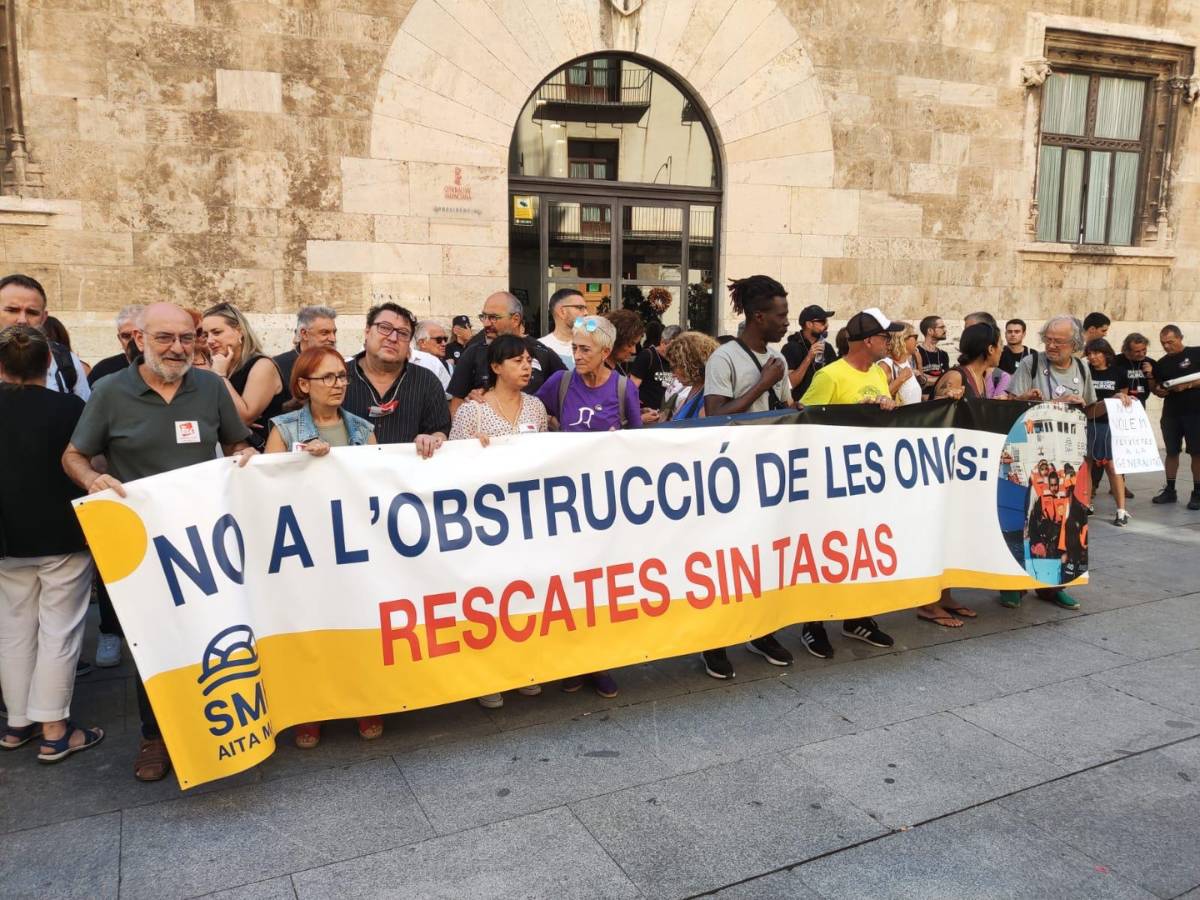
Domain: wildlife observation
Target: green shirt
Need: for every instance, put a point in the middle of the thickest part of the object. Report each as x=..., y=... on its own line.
x=141, y=435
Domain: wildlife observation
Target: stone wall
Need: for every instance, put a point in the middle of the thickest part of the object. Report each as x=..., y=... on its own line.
x=340, y=151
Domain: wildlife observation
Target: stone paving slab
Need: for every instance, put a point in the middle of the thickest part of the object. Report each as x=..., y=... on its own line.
x=1170, y=681
x=197, y=845
x=729, y=723
x=273, y=889
x=470, y=783
x=776, y=886
x=1139, y=816
x=1079, y=723
x=547, y=854
x=916, y=770
x=980, y=854
x=702, y=830
x=80, y=858
x=1143, y=632
x=891, y=688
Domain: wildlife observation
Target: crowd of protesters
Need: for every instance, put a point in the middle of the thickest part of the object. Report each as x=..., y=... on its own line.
x=189, y=385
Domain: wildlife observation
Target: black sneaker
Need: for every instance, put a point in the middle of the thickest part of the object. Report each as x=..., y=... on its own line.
x=83, y=668
x=1194, y=500
x=1122, y=518
x=815, y=640
x=1166, y=495
x=717, y=664
x=770, y=650
x=868, y=631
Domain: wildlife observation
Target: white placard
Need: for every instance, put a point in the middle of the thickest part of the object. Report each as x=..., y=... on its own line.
x=1134, y=446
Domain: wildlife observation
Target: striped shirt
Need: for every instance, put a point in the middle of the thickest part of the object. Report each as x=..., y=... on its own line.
x=414, y=404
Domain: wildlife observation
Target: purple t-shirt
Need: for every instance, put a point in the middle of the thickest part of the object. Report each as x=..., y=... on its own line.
x=590, y=409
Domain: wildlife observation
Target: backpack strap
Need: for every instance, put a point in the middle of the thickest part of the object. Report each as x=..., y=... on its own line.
x=773, y=401
x=564, y=384
x=622, y=390
x=66, y=373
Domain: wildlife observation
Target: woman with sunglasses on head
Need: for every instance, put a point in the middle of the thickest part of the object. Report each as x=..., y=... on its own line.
x=505, y=409
x=253, y=379
x=315, y=423
x=592, y=397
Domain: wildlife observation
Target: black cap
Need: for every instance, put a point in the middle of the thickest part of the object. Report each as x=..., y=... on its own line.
x=869, y=323
x=461, y=322
x=814, y=312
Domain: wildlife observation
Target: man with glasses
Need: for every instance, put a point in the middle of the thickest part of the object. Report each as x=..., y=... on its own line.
x=566, y=305
x=126, y=326
x=502, y=313
x=809, y=349
x=155, y=415
x=430, y=359
x=316, y=326
x=404, y=402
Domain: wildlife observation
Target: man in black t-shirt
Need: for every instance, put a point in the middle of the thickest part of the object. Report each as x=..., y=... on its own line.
x=650, y=370
x=126, y=326
x=460, y=337
x=1014, y=345
x=809, y=349
x=934, y=361
x=1137, y=365
x=1181, y=411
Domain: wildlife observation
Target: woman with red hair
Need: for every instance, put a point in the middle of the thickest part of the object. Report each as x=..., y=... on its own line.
x=315, y=423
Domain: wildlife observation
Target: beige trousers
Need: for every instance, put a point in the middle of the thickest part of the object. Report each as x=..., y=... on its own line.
x=43, y=601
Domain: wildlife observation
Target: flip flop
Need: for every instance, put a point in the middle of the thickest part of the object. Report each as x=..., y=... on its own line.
x=61, y=749
x=961, y=611
x=941, y=621
x=24, y=735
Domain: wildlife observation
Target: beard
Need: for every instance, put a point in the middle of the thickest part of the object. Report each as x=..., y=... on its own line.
x=158, y=364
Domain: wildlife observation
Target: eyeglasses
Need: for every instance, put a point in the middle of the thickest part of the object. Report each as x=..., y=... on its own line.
x=589, y=324
x=1055, y=342
x=582, y=306
x=125, y=336
x=439, y=340
x=329, y=379
x=167, y=339
x=493, y=317
x=387, y=330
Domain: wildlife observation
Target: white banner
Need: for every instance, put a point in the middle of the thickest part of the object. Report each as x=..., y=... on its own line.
x=1133, y=443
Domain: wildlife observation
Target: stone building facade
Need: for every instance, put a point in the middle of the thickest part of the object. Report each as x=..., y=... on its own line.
x=276, y=153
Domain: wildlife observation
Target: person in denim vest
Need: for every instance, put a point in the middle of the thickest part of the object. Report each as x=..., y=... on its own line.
x=314, y=424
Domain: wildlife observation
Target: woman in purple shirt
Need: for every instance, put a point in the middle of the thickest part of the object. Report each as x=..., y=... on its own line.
x=592, y=398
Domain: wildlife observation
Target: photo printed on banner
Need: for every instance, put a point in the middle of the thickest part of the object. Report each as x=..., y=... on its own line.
x=1043, y=493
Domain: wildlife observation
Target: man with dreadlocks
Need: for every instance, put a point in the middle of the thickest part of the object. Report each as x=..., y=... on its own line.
x=747, y=375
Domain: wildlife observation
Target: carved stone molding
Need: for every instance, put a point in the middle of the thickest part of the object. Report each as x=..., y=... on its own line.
x=1034, y=72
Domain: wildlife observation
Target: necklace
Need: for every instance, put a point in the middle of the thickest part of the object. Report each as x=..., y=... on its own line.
x=499, y=407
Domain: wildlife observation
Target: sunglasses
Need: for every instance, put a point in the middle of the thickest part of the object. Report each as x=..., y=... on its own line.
x=439, y=340
x=589, y=324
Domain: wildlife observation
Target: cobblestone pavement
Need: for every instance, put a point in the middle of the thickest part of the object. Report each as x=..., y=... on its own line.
x=1034, y=753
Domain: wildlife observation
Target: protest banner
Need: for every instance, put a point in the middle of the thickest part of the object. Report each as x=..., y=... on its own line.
x=1134, y=446
x=370, y=581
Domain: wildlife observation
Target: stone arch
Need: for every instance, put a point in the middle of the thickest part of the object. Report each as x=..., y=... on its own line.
x=458, y=74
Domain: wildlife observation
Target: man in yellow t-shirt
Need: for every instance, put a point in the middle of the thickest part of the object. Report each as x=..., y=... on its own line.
x=857, y=377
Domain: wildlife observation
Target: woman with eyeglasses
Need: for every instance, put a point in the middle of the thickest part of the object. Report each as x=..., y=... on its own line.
x=505, y=409
x=252, y=377
x=593, y=397
x=315, y=423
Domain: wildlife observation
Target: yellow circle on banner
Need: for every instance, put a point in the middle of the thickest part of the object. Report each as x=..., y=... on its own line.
x=116, y=536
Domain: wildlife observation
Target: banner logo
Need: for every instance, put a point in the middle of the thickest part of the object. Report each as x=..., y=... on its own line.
x=230, y=661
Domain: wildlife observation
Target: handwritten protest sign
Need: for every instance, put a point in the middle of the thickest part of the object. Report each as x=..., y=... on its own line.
x=1134, y=446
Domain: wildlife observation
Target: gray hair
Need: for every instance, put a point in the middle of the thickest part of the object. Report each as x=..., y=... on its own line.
x=422, y=331
x=1076, y=330
x=309, y=314
x=976, y=317
x=515, y=306
x=129, y=313
x=603, y=334
x=671, y=332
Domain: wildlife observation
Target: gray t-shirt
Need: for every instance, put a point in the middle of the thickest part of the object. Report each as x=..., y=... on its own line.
x=730, y=372
x=141, y=435
x=1052, y=382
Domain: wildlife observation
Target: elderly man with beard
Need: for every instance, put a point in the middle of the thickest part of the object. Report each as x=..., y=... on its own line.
x=156, y=415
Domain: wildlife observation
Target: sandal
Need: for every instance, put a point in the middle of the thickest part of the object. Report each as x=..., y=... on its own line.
x=963, y=612
x=153, y=762
x=943, y=621
x=24, y=735
x=61, y=748
x=370, y=728
x=307, y=736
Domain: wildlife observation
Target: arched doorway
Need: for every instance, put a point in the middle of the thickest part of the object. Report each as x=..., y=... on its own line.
x=615, y=190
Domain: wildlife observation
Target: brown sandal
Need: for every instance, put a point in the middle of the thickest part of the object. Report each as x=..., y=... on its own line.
x=153, y=762
x=943, y=621
x=370, y=727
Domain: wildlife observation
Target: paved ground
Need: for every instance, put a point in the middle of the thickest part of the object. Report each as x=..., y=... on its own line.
x=1035, y=753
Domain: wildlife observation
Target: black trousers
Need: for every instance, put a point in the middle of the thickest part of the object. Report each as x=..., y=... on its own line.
x=149, y=722
x=109, y=623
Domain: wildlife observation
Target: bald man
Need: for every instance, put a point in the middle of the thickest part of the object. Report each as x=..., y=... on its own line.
x=156, y=415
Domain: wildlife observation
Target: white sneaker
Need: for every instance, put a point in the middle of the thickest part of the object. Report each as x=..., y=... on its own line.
x=108, y=651
x=530, y=690
x=491, y=701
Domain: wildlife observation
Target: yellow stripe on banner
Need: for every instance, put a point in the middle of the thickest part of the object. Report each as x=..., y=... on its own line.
x=335, y=674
